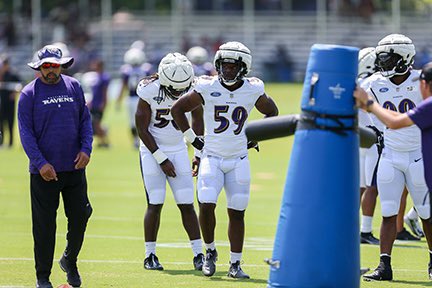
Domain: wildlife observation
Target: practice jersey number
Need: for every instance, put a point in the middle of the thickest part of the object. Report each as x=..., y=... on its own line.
x=163, y=122
x=238, y=117
x=403, y=107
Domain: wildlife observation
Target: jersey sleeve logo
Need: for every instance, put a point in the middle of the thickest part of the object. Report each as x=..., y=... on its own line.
x=383, y=90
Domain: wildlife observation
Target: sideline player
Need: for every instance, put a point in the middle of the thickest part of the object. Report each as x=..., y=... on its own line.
x=164, y=155
x=227, y=99
x=134, y=69
x=401, y=163
x=199, y=56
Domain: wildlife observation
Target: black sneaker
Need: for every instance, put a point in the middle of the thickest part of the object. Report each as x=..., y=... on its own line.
x=152, y=263
x=198, y=262
x=406, y=236
x=209, y=266
x=381, y=273
x=43, y=283
x=368, y=238
x=73, y=277
x=235, y=271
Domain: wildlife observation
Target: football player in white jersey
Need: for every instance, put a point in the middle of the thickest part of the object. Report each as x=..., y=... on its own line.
x=227, y=99
x=134, y=69
x=164, y=155
x=401, y=161
x=368, y=157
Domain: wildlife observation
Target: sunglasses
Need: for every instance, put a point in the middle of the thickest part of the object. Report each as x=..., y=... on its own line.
x=48, y=65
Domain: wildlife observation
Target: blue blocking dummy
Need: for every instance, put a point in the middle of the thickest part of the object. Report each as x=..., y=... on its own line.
x=317, y=238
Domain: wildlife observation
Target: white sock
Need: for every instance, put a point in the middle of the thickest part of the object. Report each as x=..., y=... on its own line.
x=385, y=254
x=150, y=247
x=366, y=224
x=211, y=246
x=412, y=214
x=234, y=257
x=196, y=246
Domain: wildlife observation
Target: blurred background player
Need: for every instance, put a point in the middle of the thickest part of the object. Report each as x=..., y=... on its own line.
x=227, y=99
x=99, y=81
x=9, y=87
x=199, y=58
x=368, y=157
x=134, y=69
x=164, y=155
x=401, y=161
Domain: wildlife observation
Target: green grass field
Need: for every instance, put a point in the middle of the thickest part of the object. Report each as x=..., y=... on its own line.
x=113, y=251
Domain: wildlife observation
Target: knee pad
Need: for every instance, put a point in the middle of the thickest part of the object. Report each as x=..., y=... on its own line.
x=389, y=208
x=156, y=197
x=184, y=196
x=238, y=202
x=207, y=195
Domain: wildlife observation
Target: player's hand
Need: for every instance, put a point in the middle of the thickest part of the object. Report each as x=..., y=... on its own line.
x=198, y=142
x=253, y=144
x=195, y=166
x=48, y=172
x=81, y=160
x=361, y=97
x=168, y=168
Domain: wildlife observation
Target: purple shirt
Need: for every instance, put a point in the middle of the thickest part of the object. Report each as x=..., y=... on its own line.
x=422, y=117
x=54, y=123
x=98, y=91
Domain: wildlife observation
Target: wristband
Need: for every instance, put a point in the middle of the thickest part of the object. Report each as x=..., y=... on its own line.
x=369, y=103
x=189, y=135
x=159, y=156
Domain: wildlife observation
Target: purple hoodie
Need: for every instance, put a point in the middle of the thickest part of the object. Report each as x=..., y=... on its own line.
x=54, y=123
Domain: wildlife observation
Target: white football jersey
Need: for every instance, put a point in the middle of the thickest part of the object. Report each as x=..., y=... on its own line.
x=162, y=127
x=400, y=98
x=226, y=114
x=364, y=119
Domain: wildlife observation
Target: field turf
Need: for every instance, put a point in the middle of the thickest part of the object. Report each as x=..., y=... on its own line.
x=113, y=251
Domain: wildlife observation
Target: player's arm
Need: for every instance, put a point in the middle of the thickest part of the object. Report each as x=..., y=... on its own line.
x=187, y=103
x=198, y=128
x=266, y=106
x=391, y=119
x=123, y=89
x=142, y=122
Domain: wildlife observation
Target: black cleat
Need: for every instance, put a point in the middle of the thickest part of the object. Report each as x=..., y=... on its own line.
x=406, y=236
x=368, y=238
x=152, y=263
x=364, y=271
x=73, y=277
x=235, y=271
x=381, y=273
x=198, y=262
x=209, y=266
x=43, y=283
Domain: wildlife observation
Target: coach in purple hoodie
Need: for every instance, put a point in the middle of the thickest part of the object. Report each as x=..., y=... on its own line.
x=56, y=133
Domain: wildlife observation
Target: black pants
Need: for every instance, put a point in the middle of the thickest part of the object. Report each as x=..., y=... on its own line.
x=45, y=201
x=7, y=116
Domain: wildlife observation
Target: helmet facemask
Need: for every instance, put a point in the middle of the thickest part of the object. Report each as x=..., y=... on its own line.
x=227, y=76
x=391, y=64
x=173, y=93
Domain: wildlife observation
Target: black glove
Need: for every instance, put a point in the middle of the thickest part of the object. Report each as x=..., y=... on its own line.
x=253, y=144
x=380, y=138
x=198, y=142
